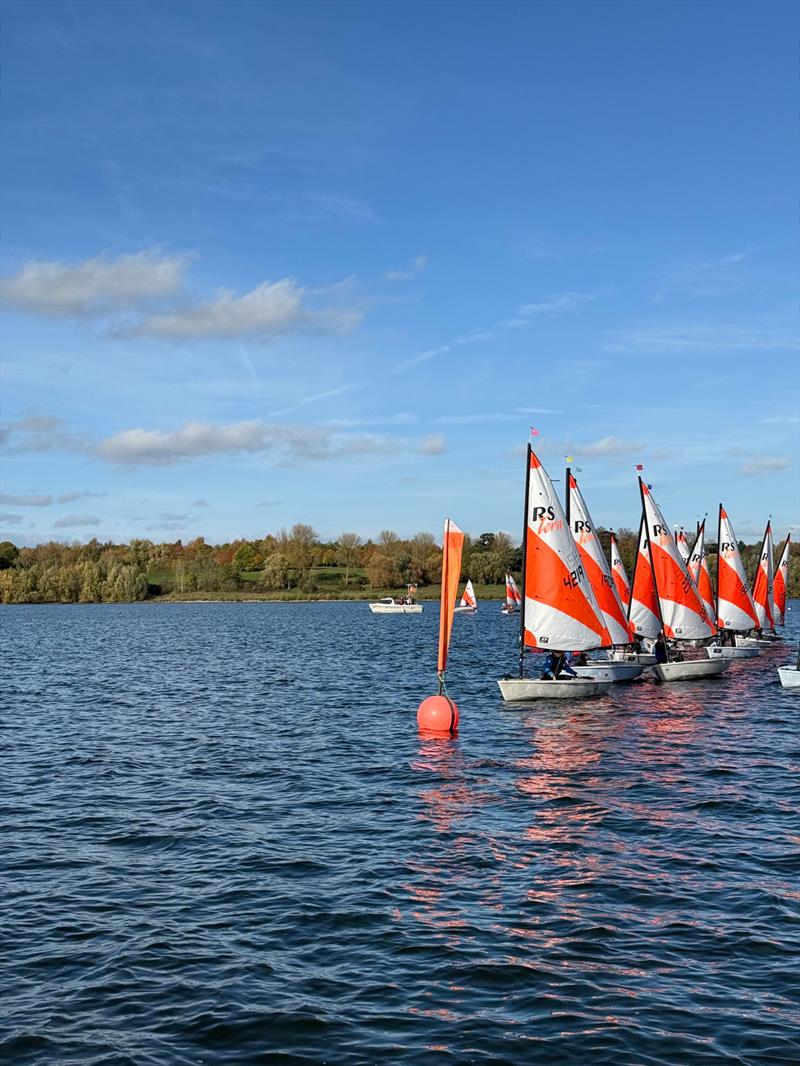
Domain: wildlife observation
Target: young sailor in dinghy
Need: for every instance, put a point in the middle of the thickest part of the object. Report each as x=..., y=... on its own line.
x=556, y=666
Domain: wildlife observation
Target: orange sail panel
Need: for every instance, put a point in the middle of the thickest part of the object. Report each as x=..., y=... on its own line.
x=764, y=582
x=735, y=608
x=698, y=568
x=643, y=608
x=560, y=607
x=780, y=584
x=452, y=547
x=596, y=566
x=682, y=612
x=621, y=583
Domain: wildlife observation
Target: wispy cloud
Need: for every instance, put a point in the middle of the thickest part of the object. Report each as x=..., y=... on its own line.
x=662, y=338
x=556, y=303
x=417, y=266
x=95, y=286
x=525, y=315
x=10, y=519
x=200, y=503
x=70, y=520
x=266, y=312
x=605, y=447
x=38, y=433
x=708, y=277
x=44, y=500
x=764, y=465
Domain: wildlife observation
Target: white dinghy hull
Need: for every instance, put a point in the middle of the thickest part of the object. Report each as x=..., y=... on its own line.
x=606, y=670
x=755, y=642
x=644, y=658
x=516, y=689
x=396, y=608
x=692, y=670
x=790, y=676
x=715, y=651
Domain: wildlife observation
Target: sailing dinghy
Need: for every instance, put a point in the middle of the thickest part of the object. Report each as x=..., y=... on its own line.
x=698, y=568
x=598, y=572
x=558, y=611
x=621, y=583
x=736, y=612
x=467, y=604
x=680, y=608
x=683, y=544
x=763, y=587
x=513, y=598
x=781, y=583
x=643, y=603
x=790, y=674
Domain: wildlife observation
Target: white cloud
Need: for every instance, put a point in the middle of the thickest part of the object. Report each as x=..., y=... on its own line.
x=416, y=267
x=96, y=286
x=68, y=497
x=77, y=520
x=711, y=277
x=25, y=501
x=288, y=443
x=435, y=444
x=606, y=446
x=764, y=465
x=10, y=519
x=39, y=434
x=266, y=312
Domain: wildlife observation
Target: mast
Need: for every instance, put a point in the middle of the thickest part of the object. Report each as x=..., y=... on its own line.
x=445, y=561
x=719, y=539
x=652, y=562
x=567, y=495
x=524, y=560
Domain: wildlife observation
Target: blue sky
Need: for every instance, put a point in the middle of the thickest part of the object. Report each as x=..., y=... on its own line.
x=269, y=263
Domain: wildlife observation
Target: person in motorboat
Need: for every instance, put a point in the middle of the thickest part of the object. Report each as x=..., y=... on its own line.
x=556, y=667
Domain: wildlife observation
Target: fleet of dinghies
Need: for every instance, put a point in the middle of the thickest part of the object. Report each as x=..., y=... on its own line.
x=669, y=616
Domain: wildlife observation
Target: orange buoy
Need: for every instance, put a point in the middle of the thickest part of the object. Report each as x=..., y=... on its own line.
x=438, y=715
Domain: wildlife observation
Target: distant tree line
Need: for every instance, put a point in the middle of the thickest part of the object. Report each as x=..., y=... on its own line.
x=294, y=562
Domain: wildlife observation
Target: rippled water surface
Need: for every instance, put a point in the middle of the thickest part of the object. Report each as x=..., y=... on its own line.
x=225, y=842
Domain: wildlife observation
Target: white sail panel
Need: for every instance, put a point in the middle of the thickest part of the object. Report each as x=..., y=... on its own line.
x=643, y=607
x=781, y=583
x=683, y=544
x=763, y=582
x=735, y=608
x=596, y=565
x=619, y=574
x=698, y=568
x=682, y=611
x=560, y=608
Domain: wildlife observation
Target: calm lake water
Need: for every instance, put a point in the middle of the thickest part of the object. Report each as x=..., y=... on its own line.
x=225, y=842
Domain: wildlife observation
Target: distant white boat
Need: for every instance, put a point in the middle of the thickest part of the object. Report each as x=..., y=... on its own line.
x=403, y=605
x=608, y=670
x=467, y=604
x=517, y=689
x=790, y=674
x=513, y=597
x=724, y=651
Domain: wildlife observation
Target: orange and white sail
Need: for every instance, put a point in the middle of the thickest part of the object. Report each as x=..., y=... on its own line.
x=452, y=546
x=619, y=575
x=513, y=595
x=735, y=608
x=468, y=597
x=560, y=609
x=683, y=544
x=781, y=583
x=701, y=575
x=763, y=583
x=682, y=612
x=643, y=607
x=596, y=566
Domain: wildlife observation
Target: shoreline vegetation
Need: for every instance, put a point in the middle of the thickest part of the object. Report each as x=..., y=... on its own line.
x=293, y=566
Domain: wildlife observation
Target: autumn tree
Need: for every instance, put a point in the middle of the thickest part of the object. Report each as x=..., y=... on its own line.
x=347, y=552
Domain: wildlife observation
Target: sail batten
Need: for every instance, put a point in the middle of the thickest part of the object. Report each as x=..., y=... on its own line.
x=560, y=609
x=682, y=612
x=735, y=608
